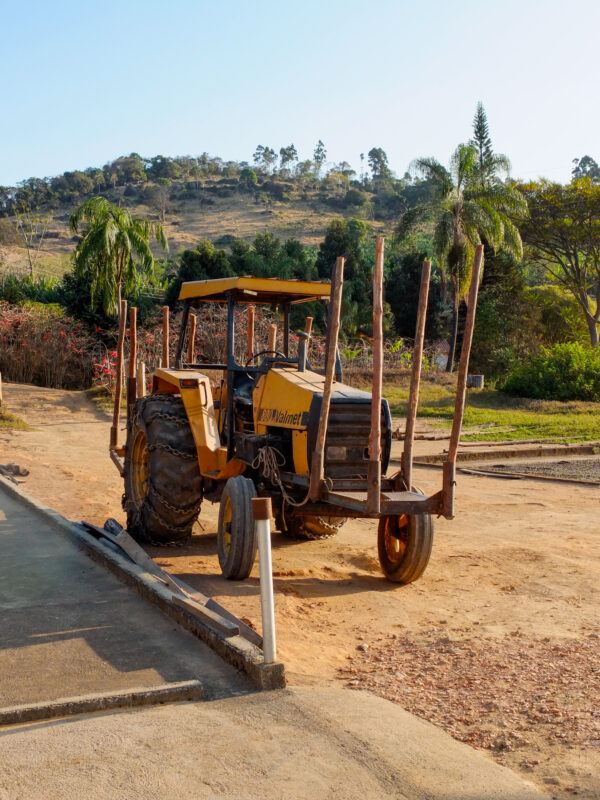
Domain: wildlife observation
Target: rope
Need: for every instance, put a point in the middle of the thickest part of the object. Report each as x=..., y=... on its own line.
x=267, y=462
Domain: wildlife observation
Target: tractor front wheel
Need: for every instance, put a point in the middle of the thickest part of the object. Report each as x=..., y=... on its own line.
x=404, y=544
x=163, y=485
x=236, y=540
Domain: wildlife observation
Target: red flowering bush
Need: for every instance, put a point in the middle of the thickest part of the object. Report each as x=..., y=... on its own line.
x=40, y=345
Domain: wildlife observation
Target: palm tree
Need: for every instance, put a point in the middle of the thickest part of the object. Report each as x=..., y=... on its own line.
x=114, y=249
x=464, y=212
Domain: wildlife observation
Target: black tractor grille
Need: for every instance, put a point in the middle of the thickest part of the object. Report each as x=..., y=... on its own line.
x=347, y=443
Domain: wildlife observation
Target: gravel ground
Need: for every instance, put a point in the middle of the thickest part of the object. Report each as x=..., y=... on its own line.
x=585, y=469
x=514, y=696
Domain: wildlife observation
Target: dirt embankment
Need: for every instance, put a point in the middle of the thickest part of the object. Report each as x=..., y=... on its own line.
x=497, y=643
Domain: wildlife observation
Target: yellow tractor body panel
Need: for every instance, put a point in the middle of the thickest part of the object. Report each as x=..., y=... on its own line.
x=197, y=397
x=255, y=290
x=282, y=399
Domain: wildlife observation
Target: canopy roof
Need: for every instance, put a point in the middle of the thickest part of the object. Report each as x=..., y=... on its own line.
x=255, y=290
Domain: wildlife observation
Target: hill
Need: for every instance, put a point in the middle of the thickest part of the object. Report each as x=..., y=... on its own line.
x=195, y=202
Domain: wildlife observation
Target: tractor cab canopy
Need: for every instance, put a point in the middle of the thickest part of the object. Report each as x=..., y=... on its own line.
x=269, y=291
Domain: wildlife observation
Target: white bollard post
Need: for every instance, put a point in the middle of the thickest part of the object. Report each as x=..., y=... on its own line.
x=262, y=513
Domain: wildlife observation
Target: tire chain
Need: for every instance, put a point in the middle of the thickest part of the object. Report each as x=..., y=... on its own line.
x=172, y=450
x=130, y=505
x=169, y=417
x=182, y=509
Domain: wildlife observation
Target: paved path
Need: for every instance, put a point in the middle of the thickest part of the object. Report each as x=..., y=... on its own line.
x=69, y=627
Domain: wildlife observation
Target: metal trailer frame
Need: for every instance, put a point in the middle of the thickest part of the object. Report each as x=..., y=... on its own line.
x=376, y=496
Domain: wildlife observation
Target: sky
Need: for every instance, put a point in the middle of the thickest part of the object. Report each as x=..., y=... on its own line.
x=85, y=82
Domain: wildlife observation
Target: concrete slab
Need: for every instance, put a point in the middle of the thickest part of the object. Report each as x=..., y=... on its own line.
x=293, y=744
x=68, y=627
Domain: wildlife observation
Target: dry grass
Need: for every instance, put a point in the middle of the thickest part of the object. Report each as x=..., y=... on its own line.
x=12, y=422
x=188, y=221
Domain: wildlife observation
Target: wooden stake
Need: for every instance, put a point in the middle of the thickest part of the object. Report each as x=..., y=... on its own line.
x=114, y=431
x=272, y=342
x=318, y=457
x=192, y=340
x=461, y=387
x=308, y=325
x=415, y=381
x=141, y=379
x=132, y=342
x=165, y=355
x=374, y=466
x=250, y=350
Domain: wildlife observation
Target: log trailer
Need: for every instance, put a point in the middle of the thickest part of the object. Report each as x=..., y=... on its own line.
x=272, y=425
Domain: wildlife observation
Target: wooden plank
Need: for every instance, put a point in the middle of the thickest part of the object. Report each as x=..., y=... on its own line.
x=272, y=342
x=192, y=340
x=374, y=466
x=250, y=348
x=165, y=341
x=415, y=381
x=449, y=469
x=114, y=431
x=141, y=379
x=333, y=329
x=207, y=615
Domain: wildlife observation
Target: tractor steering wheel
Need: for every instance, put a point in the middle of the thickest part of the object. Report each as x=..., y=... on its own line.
x=264, y=353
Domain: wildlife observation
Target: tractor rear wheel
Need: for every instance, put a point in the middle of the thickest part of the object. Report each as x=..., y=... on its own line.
x=236, y=539
x=404, y=544
x=163, y=485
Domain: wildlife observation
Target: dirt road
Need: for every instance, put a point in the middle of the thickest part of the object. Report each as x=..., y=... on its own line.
x=497, y=643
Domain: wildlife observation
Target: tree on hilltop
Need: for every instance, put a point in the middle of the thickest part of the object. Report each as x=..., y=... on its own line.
x=586, y=167
x=319, y=156
x=287, y=156
x=265, y=157
x=378, y=163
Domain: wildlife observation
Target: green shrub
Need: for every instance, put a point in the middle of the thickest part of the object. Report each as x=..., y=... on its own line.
x=563, y=372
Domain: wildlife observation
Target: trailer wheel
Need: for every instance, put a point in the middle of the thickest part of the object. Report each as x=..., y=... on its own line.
x=236, y=540
x=311, y=527
x=404, y=544
x=163, y=485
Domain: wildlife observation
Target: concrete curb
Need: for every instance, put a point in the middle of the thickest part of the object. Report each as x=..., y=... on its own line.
x=103, y=701
x=235, y=650
x=542, y=451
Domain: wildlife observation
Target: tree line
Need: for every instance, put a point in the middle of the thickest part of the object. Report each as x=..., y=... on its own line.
x=541, y=282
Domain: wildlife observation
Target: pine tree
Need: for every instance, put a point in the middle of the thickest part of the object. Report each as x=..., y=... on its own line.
x=481, y=137
x=489, y=164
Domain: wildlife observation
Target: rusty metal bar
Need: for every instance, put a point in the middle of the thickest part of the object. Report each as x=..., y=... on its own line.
x=114, y=431
x=449, y=468
x=333, y=329
x=192, y=340
x=250, y=349
x=415, y=381
x=165, y=343
x=374, y=465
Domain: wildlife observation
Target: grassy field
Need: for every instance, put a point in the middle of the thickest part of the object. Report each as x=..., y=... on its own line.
x=503, y=417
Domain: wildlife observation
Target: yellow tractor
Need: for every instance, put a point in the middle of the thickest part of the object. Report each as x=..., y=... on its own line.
x=269, y=425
